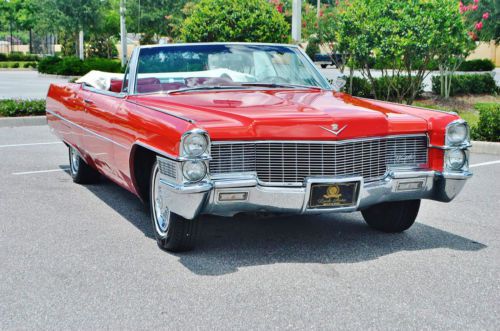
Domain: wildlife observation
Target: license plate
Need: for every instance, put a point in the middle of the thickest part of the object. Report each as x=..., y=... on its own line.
x=334, y=195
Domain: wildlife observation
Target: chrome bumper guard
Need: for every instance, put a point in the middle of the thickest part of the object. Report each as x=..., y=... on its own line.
x=191, y=200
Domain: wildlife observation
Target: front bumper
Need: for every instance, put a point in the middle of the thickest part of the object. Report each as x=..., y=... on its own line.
x=189, y=201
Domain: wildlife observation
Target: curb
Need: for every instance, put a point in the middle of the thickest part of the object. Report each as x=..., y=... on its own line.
x=485, y=147
x=22, y=121
x=57, y=76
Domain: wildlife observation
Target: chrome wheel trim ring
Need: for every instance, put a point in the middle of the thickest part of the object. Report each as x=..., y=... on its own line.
x=161, y=212
x=75, y=161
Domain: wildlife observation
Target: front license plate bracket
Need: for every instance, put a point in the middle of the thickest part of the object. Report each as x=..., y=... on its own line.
x=333, y=194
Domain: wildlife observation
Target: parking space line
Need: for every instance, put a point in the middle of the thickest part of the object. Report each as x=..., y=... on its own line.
x=484, y=164
x=39, y=171
x=31, y=144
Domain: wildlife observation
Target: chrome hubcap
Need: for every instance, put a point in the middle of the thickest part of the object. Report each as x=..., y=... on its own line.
x=75, y=161
x=161, y=212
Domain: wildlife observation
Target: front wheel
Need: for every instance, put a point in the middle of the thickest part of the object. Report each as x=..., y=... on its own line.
x=396, y=216
x=80, y=171
x=324, y=66
x=172, y=232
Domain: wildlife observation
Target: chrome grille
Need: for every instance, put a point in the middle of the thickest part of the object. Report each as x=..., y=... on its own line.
x=167, y=167
x=292, y=162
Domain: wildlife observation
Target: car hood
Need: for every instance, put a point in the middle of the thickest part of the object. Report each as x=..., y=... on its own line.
x=286, y=114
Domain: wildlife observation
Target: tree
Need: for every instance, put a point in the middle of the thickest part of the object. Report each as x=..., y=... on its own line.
x=235, y=20
x=482, y=19
x=404, y=36
x=155, y=18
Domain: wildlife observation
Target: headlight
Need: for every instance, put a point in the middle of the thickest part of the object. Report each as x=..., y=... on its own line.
x=195, y=144
x=457, y=133
x=194, y=171
x=455, y=159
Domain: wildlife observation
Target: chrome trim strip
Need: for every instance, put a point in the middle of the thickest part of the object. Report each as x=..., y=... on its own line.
x=218, y=43
x=86, y=130
x=132, y=79
x=221, y=142
x=162, y=111
x=89, y=88
x=166, y=154
x=185, y=189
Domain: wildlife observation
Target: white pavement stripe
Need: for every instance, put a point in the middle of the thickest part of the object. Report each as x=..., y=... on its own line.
x=32, y=144
x=38, y=171
x=483, y=164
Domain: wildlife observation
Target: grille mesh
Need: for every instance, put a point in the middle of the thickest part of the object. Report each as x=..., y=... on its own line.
x=167, y=167
x=292, y=162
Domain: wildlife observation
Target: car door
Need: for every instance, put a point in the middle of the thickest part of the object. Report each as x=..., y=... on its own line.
x=98, y=119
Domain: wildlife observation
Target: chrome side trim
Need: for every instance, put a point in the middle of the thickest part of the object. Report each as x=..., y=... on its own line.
x=166, y=154
x=120, y=95
x=86, y=130
x=162, y=111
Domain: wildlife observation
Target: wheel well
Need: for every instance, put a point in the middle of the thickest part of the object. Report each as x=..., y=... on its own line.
x=142, y=161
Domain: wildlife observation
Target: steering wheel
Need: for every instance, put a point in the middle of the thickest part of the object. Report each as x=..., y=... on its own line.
x=274, y=79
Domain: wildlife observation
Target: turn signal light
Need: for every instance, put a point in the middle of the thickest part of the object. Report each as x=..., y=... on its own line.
x=233, y=196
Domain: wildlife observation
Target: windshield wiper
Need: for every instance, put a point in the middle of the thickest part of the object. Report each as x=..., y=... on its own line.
x=201, y=88
x=276, y=85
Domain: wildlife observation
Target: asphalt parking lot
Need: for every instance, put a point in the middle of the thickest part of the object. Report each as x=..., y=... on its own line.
x=84, y=257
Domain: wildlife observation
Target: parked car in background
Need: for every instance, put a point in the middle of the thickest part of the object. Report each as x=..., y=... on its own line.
x=332, y=59
x=226, y=128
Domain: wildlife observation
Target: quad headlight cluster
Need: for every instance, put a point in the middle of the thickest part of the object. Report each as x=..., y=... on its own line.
x=457, y=143
x=195, y=147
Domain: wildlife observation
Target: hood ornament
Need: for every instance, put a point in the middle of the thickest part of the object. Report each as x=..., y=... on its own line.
x=334, y=129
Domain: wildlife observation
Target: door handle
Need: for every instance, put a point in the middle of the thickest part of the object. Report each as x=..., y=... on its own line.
x=88, y=102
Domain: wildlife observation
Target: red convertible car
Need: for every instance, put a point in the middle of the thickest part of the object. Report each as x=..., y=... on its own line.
x=226, y=128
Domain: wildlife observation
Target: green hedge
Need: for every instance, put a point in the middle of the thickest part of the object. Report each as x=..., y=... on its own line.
x=11, y=107
x=362, y=87
x=73, y=66
x=477, y=65
x=488, y=128
x=472, y=65
x=15, y=56
x=468, y=84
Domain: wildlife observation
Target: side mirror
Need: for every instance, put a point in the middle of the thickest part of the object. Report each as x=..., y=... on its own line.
x=339, y=83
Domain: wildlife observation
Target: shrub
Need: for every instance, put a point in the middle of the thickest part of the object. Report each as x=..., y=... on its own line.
x=22, y=107
x=488, y=128
x=468, y=84
x=18, y=56
x=73, y=66
x=48, y=64
x=312, y=48
x=26, y=65
x=362, y=87
x=15, y=65
x=477, y=65
x=235, y=20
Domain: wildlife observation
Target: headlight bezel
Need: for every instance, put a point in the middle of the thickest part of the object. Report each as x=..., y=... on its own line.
x=463, y=165
x=185, y=152
x=191, y=162
x=461, y=142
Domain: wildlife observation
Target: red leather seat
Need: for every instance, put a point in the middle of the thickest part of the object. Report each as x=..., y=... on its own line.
x=116, y=85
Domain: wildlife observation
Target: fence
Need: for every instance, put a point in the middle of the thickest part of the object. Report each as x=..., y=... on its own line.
x=27, y=42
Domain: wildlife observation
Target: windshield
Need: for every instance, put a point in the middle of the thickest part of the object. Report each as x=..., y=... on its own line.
x=196, y=67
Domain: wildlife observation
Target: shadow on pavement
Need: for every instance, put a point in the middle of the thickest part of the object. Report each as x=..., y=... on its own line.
x=227, y=244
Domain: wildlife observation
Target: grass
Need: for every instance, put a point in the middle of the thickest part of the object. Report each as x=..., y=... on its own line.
x=465, y=106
